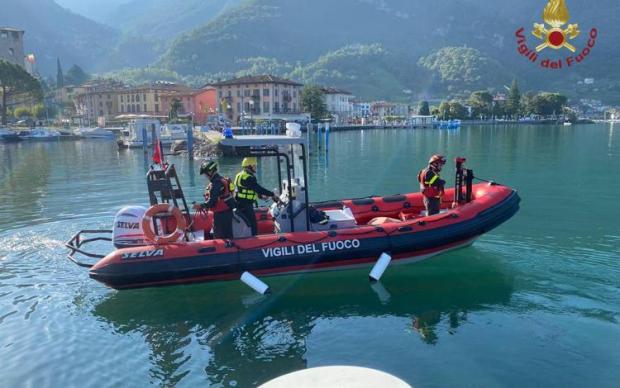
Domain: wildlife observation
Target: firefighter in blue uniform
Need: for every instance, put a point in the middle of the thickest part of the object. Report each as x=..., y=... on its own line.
x=431, y=184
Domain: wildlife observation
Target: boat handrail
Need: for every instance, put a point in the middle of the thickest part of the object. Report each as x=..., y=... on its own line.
x=76, y=242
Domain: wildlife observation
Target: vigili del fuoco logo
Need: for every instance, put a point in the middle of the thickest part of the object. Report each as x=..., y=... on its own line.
x=555, y=33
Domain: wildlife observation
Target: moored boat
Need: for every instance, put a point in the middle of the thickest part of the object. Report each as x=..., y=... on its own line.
x=140, y=130
x=173, y=132
x=6, y=135
x=94, y=133
x=292, y=238
x=40, y=134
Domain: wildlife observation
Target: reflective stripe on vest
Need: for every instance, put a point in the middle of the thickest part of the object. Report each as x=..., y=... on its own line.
x=242, y=191
x=422, y=176
x=433, y=179
x=427, y=188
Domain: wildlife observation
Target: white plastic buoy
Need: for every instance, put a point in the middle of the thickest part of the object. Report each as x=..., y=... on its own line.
x=379, y=267
x=340, y=376
x=255, y=283
x=382, y=293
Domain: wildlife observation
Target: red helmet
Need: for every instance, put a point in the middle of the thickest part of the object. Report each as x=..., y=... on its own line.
x=437, y=158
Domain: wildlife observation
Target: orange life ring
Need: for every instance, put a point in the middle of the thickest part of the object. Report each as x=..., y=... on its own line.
x=163, y=208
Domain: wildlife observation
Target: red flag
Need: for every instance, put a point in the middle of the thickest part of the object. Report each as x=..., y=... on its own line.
x=157, y=152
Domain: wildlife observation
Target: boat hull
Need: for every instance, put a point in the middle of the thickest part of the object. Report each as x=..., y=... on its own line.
x=9, y=138
x=277, y=254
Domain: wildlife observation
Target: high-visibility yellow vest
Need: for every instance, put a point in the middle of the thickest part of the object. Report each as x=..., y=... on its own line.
x=242, y=191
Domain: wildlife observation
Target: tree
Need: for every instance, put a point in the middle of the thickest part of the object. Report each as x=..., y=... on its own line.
x=513, y=102
x=547, y=104
x=60, y=78
x=21, y=112
x=570, y=115
x=527, y=106
x=444, y=110
x=14, y=80
x=423, y=108
x=39, y=111
x=75, y=76
x=312, y=102
x=481, y=103
x=499, y=109
x=457, y=110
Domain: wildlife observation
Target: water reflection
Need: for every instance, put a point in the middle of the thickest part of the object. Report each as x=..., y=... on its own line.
x=250, y=339
x=611, y=136
x=23, y=186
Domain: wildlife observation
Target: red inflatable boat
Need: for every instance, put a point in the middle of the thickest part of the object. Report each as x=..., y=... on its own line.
x=357, y=233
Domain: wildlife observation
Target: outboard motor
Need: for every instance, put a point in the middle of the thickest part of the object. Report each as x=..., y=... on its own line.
x=127, y=230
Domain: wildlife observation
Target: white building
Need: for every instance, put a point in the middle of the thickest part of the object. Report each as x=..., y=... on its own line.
x=338, y=103
x=361, y=109
x=400, y=109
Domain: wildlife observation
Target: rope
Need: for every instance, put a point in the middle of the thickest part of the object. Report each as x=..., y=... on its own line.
x=485, y=180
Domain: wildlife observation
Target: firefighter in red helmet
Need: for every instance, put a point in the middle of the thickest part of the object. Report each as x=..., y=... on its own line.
x=431, y=184
x=220, y=200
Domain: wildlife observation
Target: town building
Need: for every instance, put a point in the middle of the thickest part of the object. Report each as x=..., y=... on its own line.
x=361, y=109
x=205, y=103
x=401, y=110
x=12, y=45
x=112, y=100
x=97, y=99
x=155, y=99
x=258, y=97
x=499, y=98
x=65, y=98
x=383, y=109
x=338, y=103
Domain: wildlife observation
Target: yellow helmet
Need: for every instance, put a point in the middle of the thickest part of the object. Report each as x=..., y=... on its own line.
x=250, y=161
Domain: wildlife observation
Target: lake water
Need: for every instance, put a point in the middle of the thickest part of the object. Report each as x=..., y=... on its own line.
x=535, y=302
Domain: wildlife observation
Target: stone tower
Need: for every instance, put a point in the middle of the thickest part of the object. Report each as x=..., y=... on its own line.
x=12, y=45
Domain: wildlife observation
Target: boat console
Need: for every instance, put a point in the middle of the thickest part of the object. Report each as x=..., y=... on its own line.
x=291, y=214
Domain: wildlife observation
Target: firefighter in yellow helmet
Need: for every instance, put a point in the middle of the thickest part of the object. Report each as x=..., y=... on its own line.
x=248, y=192
x=431, y=184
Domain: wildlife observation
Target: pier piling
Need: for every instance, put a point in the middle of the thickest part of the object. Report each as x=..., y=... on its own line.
x=145, y=143
x=190, y=142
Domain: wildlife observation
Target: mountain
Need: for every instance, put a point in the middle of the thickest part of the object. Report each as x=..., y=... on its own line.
x=165, y=18
x=97, y=10
x=392, y=49
x=297, y=30
x=368, y=71
x=463, y=68
x=56, y=32
x=53, y=31
x=303, y=36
